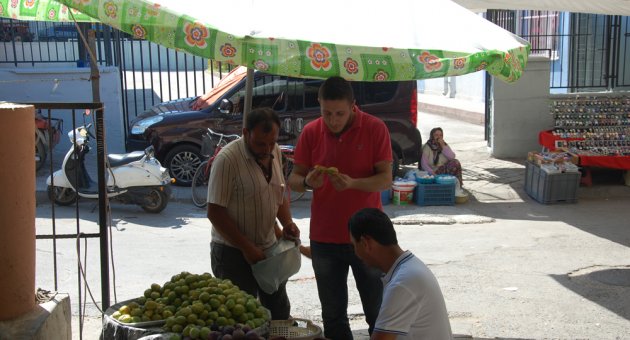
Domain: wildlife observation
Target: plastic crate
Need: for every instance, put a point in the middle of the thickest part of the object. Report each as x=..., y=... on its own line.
x=551, y=188
x=434, y=194
x=295, y=329
x=386, y=196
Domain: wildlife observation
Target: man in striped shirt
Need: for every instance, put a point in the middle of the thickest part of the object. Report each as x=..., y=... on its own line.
x=413, y=306
x=245, y=197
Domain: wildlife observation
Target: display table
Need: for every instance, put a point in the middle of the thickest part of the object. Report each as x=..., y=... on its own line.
x=548, y=140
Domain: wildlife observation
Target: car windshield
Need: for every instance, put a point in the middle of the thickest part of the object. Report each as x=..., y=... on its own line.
x=225, y=84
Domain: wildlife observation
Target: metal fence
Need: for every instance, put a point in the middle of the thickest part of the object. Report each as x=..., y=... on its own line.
x=588, y=52
x=149, y=73
x=49, y=231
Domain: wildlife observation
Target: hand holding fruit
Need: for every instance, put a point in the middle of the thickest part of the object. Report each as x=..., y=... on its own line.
x=315, y=179
x=340, y=181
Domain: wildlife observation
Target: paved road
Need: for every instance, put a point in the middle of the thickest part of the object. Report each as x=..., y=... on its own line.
x=508, y=266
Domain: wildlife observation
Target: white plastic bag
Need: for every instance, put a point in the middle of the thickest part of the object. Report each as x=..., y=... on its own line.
x=283, y=260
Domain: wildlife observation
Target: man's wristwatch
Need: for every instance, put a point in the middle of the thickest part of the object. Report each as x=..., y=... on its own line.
x=306, y=186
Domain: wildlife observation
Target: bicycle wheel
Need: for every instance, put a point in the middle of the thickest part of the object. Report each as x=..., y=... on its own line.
x=199, y=185
x=292, y=196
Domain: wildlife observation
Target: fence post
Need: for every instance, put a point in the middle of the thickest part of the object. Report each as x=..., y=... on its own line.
x=17, y=211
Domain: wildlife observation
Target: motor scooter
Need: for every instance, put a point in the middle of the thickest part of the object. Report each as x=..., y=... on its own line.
x=47, y=135
x=132, y=178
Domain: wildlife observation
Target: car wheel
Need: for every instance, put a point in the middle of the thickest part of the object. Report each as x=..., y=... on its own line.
x=181, y=162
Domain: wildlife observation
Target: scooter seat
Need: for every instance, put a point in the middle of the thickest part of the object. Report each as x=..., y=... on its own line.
x=126, y=158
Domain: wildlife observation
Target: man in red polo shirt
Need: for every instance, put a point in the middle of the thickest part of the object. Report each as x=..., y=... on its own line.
x=358, y=146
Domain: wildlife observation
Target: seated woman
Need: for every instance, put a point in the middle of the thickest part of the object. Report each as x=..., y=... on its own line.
x=438, y=158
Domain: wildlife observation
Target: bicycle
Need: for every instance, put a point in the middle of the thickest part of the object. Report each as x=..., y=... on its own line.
x=287, y=167
x=199, y=185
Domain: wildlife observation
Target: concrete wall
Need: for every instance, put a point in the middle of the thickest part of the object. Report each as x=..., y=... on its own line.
x=48, y=320
x=466, y=87
x=23, y=85
x=520, y=111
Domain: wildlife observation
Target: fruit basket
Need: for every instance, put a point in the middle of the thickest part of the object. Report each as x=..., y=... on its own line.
x=299, y=329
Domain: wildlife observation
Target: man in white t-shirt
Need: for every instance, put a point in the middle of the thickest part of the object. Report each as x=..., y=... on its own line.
x=413, y=306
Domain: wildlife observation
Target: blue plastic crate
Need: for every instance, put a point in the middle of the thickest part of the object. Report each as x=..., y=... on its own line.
x=386, y=196
x=434, y=194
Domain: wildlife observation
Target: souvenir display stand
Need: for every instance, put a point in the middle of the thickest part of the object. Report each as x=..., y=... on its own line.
x=595, y=128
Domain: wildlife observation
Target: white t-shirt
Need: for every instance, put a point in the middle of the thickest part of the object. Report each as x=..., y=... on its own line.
x=413, y=306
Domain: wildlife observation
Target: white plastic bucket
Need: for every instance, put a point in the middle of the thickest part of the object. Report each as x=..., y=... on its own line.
x=402, y=192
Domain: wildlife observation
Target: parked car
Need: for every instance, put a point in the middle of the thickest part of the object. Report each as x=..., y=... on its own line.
x=15, y=31
x=58, y=33
x=176, y=130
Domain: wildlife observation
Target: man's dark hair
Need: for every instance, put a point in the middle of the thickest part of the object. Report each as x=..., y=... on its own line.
x=262, y=116
x=374, y=223
x=336, y=88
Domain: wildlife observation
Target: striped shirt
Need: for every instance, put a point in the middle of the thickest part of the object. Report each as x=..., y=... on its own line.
x=238, y=183
x=413, y=306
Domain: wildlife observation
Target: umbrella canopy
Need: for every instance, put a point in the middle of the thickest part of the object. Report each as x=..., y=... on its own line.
x=394, y=40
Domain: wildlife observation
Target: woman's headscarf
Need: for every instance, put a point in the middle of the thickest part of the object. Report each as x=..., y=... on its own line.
x=436, y=147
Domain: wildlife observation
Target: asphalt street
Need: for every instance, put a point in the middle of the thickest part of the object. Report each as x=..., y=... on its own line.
x=508, y=266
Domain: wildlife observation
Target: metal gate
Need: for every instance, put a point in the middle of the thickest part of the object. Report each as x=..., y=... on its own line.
x=149, y=73
x=55, y=233
x=588, y=52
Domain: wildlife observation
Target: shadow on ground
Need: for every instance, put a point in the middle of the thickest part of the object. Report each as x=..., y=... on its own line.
x=609, y=287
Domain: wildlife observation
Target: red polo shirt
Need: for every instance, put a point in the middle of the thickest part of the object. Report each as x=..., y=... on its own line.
x=354, y=153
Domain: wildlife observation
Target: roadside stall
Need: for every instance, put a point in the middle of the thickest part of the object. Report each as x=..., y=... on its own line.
x=594, y=128
x=352, y=40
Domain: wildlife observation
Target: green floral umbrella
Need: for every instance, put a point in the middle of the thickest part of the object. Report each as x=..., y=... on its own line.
x=358, y=40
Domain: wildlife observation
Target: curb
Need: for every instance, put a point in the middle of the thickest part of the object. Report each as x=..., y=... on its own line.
x=181, y=195
x=178, y=195
x=472, y=117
